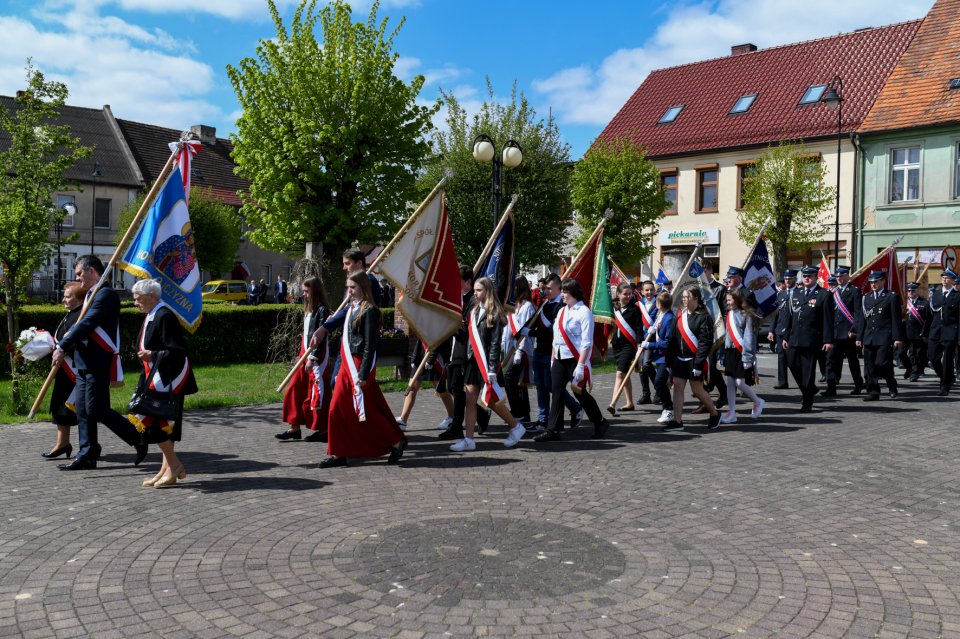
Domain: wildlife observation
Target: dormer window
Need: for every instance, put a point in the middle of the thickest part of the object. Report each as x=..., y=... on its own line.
x=670, y=115
x=955, y=84
x=743, y=104
x=813, y=94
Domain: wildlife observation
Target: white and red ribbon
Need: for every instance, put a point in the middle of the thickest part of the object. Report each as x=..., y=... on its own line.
x=841, y=306
x=647, y=320
x=185, y=150
x=346, y=359
x=693, y=344
x=913, y=311
x=490, y=394
x=736, y=335
x=587, y=381
x=624, y=326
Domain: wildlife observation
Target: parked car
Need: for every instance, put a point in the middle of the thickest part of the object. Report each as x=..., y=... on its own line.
x=225, y=291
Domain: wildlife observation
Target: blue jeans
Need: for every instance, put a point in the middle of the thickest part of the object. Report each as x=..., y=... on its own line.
x=543, y=381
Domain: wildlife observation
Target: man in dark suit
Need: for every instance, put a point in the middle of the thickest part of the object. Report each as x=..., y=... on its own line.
x=779, y=331
x=280, y=291
x=809, y=330
x=253, y=293
x=88, y=341
x=846, y=303
x=913, y=353
x=944, y=331
x=880, y=333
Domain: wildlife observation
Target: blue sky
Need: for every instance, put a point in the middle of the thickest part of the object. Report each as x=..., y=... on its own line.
x=163, y=61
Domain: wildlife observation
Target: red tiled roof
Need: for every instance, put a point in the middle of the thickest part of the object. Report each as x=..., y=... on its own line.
x=918, y=91
x=779, y=76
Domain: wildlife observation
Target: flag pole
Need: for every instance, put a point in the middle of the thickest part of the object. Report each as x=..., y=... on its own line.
x=877, y=258
x=612, y=408
x=384, y=252
x=755, y=243
x=496, y=231
x=134, y=225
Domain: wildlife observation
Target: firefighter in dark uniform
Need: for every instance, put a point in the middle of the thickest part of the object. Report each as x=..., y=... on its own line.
x=913, y=353
x=880, y=332
x=778, y=332
x=808, y=331
x=846, y=301
x=944, y=331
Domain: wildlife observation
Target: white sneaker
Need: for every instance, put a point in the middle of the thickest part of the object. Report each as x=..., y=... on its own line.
x=665, y=417
x=729, y=418
x=402, y=424
x=445, y=424
x=516, y=434
x=464, y=445
x=758, y=409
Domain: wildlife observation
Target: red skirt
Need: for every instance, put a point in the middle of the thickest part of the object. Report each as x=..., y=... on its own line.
x=300, y=401
x=348, y=436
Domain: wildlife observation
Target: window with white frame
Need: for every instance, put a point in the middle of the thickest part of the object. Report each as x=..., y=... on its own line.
x=905, y=174
x=62, y=201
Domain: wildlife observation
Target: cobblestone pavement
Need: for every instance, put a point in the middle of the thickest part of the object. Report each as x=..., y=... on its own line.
x=840, y=523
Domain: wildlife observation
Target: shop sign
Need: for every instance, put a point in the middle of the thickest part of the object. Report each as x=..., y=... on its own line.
x=706, y=236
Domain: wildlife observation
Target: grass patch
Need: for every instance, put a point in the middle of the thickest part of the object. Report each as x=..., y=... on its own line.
x=220, y=387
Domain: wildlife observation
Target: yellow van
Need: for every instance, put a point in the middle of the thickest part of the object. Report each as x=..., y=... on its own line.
x=225, y=291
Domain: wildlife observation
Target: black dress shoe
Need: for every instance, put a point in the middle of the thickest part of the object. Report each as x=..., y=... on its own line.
x=332, y=462
x=397, y=452
x=672, y=426
x=646, y=400
x=914, y=378
x=141, y=453
x=830, y=392
x=79, y=464
x=600, y=429
x=316, y=437
x=856, y=390
x=806, y=408
x=451, y=434
x=823, y=378
x=547, y=436
x=53, y=454
x=872, y=397
x=781, y=386
x=288, y=434
x=714, y=422
x=943, y=392
x=893, y=394
x=657, y=400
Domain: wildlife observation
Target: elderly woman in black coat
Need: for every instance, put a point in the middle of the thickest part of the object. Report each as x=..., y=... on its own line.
x=162, y=349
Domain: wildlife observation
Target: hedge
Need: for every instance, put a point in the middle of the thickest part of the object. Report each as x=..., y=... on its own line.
x=228, y=334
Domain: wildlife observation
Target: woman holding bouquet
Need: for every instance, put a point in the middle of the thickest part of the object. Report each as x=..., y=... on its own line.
x=61, y=399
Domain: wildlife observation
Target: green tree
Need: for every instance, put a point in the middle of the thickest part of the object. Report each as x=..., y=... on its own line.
x=786, y=190
x=616, y=175
x=216, y=229
x=541, y=180
x=330, y=140
x=32, y=164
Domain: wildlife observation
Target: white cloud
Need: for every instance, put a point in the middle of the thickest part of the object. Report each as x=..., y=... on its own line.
x=585, y=95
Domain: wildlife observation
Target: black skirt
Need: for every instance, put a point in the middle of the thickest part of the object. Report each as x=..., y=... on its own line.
x=624, y=357
x=683, y=369
x=733, y=364
x=62, y=387
x=472, y=376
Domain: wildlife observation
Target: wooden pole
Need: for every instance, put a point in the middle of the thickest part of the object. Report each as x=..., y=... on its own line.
x=493, y=236
x=384, y=252
x=612, y=408
x=121, y=245
x=416, y=375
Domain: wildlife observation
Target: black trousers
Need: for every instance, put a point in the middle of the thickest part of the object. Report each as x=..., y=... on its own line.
x=803, y=365
x=517, y=394
x=455, y=384
x=782, y=367
x=717, y=380
x=913, y=354
x=878, y=361
x=93, y=406
x=561, y=372
x=648, y=373
x=943, y=356
x=843, y=349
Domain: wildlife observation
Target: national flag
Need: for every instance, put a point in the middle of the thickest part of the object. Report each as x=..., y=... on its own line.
x=823, y=273
x=885, y=261
x=617, y=276
x=590, y=269
x=759, y=278
x=497, y=261
x=420, y=261
x=163, y=250
x=661, y=278
x=185, y=150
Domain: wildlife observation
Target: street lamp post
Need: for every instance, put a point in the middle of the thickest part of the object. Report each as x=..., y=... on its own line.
x=93, y=211
x=511, y=157
x=833, y=98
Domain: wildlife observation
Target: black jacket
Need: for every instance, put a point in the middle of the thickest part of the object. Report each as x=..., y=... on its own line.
x=701, y=325
x=809, y=322
x=879, y=322
x=461, y=340
x=783, y=310
x=842, y=327
x=104, y=313
x=635, y=320
x=365, y=339
x=945, y=326
x=544, y=334
x=167, y=344
x=491, y=337
x=918, y=328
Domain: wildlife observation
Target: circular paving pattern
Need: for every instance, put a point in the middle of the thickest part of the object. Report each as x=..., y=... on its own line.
x=483, y=558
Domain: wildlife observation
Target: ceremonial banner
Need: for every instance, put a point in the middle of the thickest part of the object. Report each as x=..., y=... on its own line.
x=163, y=250
x=886, y=262
x=661, y=278
x=617, y=276
x=823, y=273
x=422, y=264
x=591, y=270
x=759, y=279
x=694, y=276
x=497, y=262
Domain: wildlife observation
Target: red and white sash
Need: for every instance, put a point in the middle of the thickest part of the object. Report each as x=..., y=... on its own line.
x=156, y=382
x=736, y=335
x=686, y=333
x=346, y=359
x=647, y=320
x=913, y=311
x=112, y=346
x=587, y=381
x=841, y=306
x=68, y=367
x=490, y=394
x=624, y=326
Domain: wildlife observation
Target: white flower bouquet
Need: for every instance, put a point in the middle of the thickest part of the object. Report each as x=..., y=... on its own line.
x=35, y=343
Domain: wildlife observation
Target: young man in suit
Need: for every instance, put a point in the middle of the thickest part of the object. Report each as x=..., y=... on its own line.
x=91, y=341
x=944, y=331
x=809, y=330
x=880, y=333
x=778, y=333
x=847, y=300
x=913, y=353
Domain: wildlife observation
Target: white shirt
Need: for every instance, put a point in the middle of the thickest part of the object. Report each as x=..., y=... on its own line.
x=521, y=316
x=578, y=324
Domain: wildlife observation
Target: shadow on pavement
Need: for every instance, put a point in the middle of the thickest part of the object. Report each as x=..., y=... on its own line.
x=237, y=484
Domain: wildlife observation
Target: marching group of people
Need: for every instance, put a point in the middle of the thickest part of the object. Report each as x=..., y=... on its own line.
x=486, y=366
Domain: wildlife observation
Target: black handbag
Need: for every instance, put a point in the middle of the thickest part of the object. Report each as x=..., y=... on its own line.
x=153, y=403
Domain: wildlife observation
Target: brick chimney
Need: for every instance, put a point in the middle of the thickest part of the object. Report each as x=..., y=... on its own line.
x=740, y=49
x=207, y=134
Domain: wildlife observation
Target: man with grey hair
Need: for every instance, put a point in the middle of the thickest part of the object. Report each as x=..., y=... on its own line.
x=92, y=342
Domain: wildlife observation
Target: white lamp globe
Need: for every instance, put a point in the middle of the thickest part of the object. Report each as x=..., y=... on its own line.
x=512, y=156
x=483, y=151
